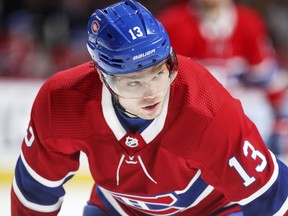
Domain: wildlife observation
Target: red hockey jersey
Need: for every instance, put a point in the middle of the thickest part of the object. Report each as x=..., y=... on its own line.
x=202, y=156
x=234, y=46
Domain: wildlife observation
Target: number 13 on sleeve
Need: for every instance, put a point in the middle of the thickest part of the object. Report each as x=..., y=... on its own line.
x=233, y=162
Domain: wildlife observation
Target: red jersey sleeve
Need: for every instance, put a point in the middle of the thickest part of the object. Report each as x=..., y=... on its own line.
x=43, y=166
x=237, y=162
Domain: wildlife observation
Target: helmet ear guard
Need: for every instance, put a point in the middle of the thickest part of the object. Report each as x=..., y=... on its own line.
x=125, y=37
x=172, y=64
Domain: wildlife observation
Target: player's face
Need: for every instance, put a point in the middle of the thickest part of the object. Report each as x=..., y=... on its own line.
x=139, y=84
x=147, y=107
x=144, y=91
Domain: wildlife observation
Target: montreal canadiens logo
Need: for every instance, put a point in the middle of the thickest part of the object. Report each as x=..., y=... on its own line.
x=95, y=27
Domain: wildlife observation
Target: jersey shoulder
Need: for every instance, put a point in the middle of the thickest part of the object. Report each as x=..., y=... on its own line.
x=202, y=92
x=196, y=99
x=78, y=78
x=65, y=103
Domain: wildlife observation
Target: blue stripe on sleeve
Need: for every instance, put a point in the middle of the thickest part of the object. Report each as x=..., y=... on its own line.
x=186, y=198
x=32, y=190
x=273, y=199
x=106, y=203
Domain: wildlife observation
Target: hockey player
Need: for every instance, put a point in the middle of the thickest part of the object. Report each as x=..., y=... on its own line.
x=231, y=41
x=162, y=135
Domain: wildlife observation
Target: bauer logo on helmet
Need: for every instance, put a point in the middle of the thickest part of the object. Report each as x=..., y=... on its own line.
x=144, y=54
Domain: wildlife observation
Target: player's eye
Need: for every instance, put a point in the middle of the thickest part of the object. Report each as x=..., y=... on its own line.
x=158, y=75
x=133, y=83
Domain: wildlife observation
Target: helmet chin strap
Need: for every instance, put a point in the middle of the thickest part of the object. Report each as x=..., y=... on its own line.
x=115, y=96
x=121, y=108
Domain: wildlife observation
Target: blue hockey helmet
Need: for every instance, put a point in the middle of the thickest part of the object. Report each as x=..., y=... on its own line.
x=125, y=37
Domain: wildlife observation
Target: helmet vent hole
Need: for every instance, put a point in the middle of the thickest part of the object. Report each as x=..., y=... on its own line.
x=140, y=66
x=110, y=35
x=104, y=57
x=105, y=11
x=118, y=60
x=154, y=61
x=118, y=65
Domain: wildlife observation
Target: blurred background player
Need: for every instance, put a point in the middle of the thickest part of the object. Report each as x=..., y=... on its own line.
x=231, y=40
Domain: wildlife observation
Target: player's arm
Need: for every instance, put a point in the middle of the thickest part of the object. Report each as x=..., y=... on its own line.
x=238, y=163
x=42, y=168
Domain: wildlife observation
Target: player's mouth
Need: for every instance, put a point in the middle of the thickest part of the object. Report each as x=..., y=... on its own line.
x=152, y=107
